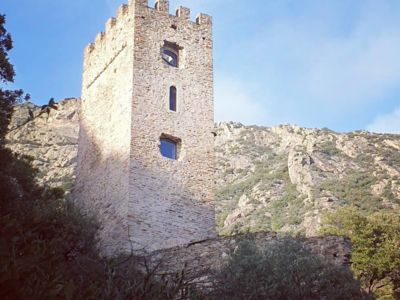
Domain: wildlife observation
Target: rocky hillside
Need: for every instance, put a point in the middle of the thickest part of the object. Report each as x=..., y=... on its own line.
x=284, y=178
x=50, y=138
x=281, y=178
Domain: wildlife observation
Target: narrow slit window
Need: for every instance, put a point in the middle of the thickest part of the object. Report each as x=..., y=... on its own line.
x=172, y=98
x=169, y=148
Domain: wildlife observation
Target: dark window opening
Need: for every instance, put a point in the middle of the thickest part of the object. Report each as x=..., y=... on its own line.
x=170, y=54
x=172, y=98
x=169, y=147
x=170, y=57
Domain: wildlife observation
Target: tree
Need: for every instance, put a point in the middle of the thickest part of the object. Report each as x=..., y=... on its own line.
x=8, y=98
x=6, y=68
x=376, y=246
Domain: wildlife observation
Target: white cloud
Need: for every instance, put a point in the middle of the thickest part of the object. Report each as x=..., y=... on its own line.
x=324, y=67
x=358, y=69
x=324, y=71
x=389, y=123
x=233, y=103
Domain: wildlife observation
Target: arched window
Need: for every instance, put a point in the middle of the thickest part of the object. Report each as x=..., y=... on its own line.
x=170, y=54
x=170, y=57
x=172, y=98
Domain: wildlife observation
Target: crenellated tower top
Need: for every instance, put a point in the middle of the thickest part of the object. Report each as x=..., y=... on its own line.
x=125, y=11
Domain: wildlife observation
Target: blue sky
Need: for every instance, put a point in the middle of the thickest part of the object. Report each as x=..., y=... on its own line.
x=314, y=63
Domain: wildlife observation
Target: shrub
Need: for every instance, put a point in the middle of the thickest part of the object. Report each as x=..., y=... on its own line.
x=329, y=148
x=284, y=270
x=391, y=157
x=355, y=189
x=289, y=209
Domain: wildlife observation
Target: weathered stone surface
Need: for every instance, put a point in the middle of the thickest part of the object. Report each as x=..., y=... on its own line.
x=102, y=185
x=50, y=138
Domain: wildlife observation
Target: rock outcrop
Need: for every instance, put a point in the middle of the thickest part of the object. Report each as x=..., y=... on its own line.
x=50, y=138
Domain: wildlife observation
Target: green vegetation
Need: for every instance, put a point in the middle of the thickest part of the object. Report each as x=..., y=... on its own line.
x=221, y=217
x=391, y=157
x=376, y=248
x=388, y=193
x=247, y=144
x=284, y=270
x=327, y=130
x=289, y=210
x=366, y=160
x=329, y=148
x=270, y=170
x=262, y=172
x=260, y=221
x=355, y=189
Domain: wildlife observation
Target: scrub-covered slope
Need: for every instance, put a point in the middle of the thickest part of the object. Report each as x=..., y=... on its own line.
x=284, y=178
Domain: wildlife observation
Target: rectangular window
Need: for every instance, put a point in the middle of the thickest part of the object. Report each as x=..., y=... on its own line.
x=168, y=148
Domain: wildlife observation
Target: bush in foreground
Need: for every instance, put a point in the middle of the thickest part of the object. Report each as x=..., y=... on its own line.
x=285, y=270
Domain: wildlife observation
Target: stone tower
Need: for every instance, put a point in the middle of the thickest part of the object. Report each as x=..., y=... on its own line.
x=146, y=153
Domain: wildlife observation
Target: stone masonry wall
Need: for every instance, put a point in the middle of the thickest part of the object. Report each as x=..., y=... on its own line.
x=171, y=201
x=105, y=130
x=143, y=200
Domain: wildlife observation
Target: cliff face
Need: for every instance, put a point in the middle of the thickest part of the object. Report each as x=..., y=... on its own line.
x=50, y=138
x=284, y=178
x=281, y=178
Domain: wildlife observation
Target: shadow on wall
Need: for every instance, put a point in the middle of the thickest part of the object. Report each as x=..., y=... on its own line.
x=141, y=207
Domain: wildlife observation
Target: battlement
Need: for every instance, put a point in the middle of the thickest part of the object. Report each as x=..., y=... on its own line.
x=111, y=24
x=181, y=12
x=128, y=11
